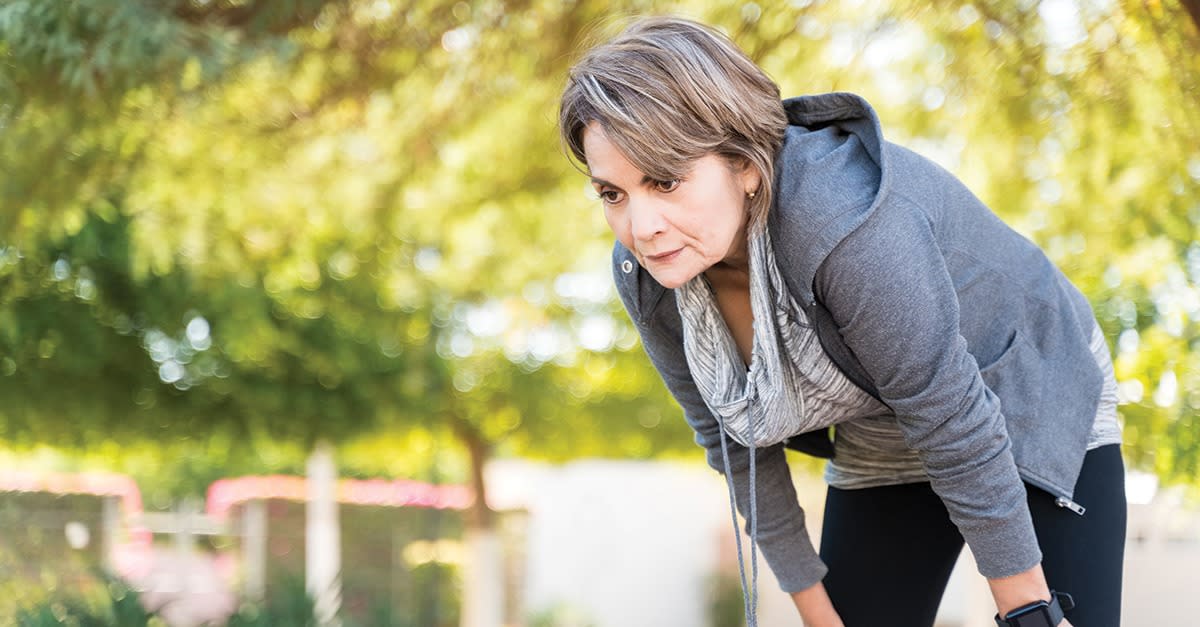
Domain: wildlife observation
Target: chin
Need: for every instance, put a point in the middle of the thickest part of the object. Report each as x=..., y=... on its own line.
x=673, y=279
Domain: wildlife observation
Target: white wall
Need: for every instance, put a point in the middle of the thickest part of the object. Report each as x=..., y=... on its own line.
x=623, y=543
x=1162, y=565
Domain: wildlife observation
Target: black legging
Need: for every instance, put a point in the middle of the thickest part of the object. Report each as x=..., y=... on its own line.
x=890, y=550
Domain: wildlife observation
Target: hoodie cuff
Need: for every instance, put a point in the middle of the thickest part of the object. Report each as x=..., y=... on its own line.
x=1006, y=551
x=783, y=537
x=795, y=563
x=999, y=531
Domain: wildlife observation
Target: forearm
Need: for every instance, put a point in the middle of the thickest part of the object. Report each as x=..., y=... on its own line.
x=1019, y=589
x=816, y=610
x=783, y=536
x=915, y=354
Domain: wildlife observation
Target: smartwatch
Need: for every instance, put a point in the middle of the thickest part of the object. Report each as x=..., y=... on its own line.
x=1039, y=613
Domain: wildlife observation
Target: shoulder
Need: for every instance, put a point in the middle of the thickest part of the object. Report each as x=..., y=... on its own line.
x=847, y=201
x=921, y=179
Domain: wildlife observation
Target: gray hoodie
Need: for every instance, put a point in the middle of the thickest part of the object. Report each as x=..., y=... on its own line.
x=924, y=298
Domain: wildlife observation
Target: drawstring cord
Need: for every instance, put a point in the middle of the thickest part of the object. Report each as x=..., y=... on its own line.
x=749, y=593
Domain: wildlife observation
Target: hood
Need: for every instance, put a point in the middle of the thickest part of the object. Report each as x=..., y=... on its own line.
x=830, y=176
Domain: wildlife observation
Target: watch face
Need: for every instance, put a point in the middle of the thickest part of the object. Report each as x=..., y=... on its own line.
x=1035, y=615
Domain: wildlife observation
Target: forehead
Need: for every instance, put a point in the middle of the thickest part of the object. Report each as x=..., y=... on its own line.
x=604, y=159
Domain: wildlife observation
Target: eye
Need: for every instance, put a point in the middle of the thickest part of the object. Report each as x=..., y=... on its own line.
x=610, y=196
x=667, y=187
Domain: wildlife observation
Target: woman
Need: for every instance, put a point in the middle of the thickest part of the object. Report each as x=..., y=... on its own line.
x=789, y=270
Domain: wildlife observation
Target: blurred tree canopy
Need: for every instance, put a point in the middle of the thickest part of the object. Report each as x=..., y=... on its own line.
x=302, y=221
x=232, y=227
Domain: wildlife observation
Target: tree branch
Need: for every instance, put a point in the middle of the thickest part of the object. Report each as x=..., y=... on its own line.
x=1193, y=9
x=252, y=14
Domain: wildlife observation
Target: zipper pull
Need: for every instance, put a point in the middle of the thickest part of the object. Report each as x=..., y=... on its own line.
x=1063, y=501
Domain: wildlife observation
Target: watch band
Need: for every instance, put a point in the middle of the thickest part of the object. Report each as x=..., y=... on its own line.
x=1039, y=613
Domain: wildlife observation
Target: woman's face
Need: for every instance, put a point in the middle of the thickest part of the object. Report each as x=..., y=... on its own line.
x=676, y=229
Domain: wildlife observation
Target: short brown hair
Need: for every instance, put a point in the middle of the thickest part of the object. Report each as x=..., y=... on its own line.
x=668, y=91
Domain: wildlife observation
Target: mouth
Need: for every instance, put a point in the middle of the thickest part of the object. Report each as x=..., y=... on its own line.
x=664, y=257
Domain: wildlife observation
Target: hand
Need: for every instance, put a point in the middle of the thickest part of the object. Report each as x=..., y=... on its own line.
x=816, y=610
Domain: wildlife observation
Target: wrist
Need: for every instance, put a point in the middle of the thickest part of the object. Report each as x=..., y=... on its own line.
x=1047, y=613
x=1019, y=590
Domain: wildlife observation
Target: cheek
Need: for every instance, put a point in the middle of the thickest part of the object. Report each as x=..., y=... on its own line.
x=619, y=227
x=722, y=215
x=724, y=225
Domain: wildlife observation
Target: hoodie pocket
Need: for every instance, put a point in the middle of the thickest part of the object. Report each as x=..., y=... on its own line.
x=1013, y=378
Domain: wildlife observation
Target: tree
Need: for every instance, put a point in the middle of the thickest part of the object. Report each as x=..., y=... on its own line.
x=269, y=223
x=286, y=274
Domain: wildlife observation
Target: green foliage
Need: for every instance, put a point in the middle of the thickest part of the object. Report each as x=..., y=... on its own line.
x=438, y=602
x=559, y=616
x=36, y=555
x=288, y=604
x=725, y=606
x=119, y=606
x=337, y=285
x=115, y=604
x=365, y=208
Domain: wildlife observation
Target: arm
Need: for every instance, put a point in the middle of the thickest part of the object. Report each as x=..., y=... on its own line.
x=890, y=293
x=815, y=607
x=782, y=534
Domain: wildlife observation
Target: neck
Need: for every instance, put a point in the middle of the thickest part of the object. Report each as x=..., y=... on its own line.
x=738, y=257
x=730, y=266
x=734, y=268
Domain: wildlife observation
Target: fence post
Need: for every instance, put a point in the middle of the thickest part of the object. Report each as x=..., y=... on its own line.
x=254, y=549
x=323, y=535
x=110, y=528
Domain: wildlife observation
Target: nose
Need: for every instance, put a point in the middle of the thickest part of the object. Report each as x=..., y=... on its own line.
x=646, y=220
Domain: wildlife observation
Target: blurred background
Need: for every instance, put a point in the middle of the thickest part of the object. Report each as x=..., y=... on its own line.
x=306, y=319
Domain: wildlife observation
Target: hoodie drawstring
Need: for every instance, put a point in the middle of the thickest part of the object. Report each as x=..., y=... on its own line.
x=749, y=593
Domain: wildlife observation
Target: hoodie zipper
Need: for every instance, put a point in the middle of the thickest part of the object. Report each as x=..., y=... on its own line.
x=1060, y=500
x=1063, y=501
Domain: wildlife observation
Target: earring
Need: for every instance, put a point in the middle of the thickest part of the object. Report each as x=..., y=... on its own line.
x=751, y=195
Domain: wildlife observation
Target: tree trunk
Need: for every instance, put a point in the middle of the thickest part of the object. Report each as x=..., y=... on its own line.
x=483, y=576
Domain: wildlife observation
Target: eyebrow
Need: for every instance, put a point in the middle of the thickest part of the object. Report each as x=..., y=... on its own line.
x=646, y=180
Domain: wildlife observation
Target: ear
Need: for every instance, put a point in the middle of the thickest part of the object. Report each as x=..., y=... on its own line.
x=750, y=178
x=743, y=170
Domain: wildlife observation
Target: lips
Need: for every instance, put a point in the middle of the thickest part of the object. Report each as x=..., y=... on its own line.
x=664, y=257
